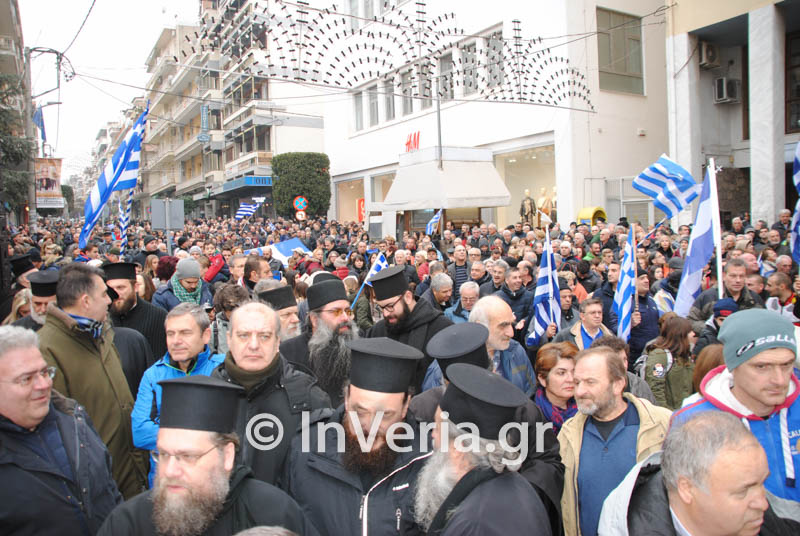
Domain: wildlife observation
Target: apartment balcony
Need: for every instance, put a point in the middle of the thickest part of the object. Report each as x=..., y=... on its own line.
x=190, y=184
x=254, y=163
x=189, y=148
x=10, y=56
x=166, y=154
x=253, y=113
x=188, y=107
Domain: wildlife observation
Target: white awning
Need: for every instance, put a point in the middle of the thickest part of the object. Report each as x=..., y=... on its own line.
x=468, y=179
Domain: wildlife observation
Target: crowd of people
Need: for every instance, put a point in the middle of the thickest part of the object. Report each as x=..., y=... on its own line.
x=136, y=381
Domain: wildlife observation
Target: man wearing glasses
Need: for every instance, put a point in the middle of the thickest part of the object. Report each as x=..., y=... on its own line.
x=199, y=487
x=51, y=454
x=322, y=346
x=404, y=319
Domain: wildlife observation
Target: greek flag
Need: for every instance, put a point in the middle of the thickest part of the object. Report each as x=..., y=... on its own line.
x=626, y=288
x=794, y=231
x=671, y=186
x=547, y=299
x=434, y=223
x=121, y=173
x=246, y=210
x=379, y=264
x=701, y=248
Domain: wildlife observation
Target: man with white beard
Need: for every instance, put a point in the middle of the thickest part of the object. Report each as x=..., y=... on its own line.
x=471, y=484
x=281, y=298
x=43, y=288
x=322, y=345
x=198, y=488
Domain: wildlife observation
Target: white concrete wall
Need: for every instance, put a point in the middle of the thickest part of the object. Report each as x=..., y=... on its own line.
x=587, y=145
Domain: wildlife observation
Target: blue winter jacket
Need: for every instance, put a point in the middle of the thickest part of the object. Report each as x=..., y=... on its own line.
x=780, y=441
x=514, y=366
x=166, y=299
x=456, y=313
x=146, y=410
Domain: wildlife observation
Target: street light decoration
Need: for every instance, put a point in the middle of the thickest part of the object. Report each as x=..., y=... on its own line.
x=323, y=47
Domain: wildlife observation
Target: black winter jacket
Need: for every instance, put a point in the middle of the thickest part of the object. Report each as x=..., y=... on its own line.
x=336, y=500
x=285, y=395
x=423, y=323
x=36, y=496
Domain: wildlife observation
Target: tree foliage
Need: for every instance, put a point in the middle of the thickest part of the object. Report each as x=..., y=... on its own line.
x=15, y=149
x=69, y=197
x=305, y=174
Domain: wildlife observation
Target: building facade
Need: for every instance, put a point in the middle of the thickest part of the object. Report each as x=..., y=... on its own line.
x=733, y=72
x=580, y=153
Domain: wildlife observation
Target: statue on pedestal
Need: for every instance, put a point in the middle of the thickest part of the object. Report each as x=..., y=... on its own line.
x=527, y=210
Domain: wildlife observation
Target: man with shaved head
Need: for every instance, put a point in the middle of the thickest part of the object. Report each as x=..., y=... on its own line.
x=271, y=385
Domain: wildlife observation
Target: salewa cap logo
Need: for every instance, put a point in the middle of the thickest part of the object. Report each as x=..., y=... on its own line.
x=765, y=340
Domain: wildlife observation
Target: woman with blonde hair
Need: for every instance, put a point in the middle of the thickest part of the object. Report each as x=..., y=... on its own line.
x=20, y=307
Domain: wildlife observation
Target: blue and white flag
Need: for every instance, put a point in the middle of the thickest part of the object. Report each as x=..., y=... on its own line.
x=281, y=250
x=794, y=231
x=764, y=270
x=547, y=299
x=246, y=210
x=434, y=223
x=626, y=289
x=701, y=248
x=670, y=185
x=379, y=264
x=121, y=173
x=38, y=120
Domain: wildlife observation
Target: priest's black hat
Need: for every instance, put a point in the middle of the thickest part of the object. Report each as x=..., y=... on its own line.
x=43, y=283
x=460, y=343
x=389, y=282
x=199, y=403
x=279, y=298
x=382, y=364
x=21, y=264
x=477, y=395
x=321, y=294
x=120, y=270
x=322, y=275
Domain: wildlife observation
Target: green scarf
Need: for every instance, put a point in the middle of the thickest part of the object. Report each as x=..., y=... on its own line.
x=184, y=295
x=246, y=378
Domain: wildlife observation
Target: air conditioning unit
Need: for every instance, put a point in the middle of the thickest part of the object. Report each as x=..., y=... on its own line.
x=727, y=90
x=709, y=55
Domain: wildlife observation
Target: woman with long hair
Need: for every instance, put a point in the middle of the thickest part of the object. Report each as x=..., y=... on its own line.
x=669, y=366
x=20, y=306
x=357, y=265
x=144, y=286
x=150, y=265
x=555, y=395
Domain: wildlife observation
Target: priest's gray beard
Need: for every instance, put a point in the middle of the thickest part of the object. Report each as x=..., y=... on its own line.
x=329, y=355
x=39, y=319
x=434, y=483
x=192, y=513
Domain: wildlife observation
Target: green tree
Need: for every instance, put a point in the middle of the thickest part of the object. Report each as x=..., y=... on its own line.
x=69, y=197
x=15, y=148
x=305, y=174
x=189, y=204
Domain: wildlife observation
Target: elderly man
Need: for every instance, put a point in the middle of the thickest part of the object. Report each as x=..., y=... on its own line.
x=401, y=259
x=490, y=405
x=271, y=385
x=368, y=488
x=185, y=286
x=440, y=292
x=757, y=384
x=459, y=270
x=478, y=273
x=199, y=488
x=405, y=320
x=709, y=479
x=51, y=453
x=733, y=279
x=43, y=290
x=188, y=332
x=322, y=344
x=459, y=312
x=590, y=327
x=613, y=431
x=499, y=269
x=508, y=357
x=466, y=343
x=78, y=341
x=784, y=264
x=282, y=300
x=128, y=311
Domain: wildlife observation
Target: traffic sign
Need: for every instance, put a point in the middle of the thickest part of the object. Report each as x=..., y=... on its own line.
x=203, y=137
x=300, y=203
x=300, y=215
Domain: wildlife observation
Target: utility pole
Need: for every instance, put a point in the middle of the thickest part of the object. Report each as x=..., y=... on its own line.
x=33, y=217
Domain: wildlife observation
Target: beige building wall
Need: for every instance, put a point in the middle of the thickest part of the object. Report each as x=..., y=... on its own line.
x=690, y=15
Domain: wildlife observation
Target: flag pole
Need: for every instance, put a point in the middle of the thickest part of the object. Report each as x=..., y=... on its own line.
x=634, y=247
x=358, y=294
x=716, y=226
